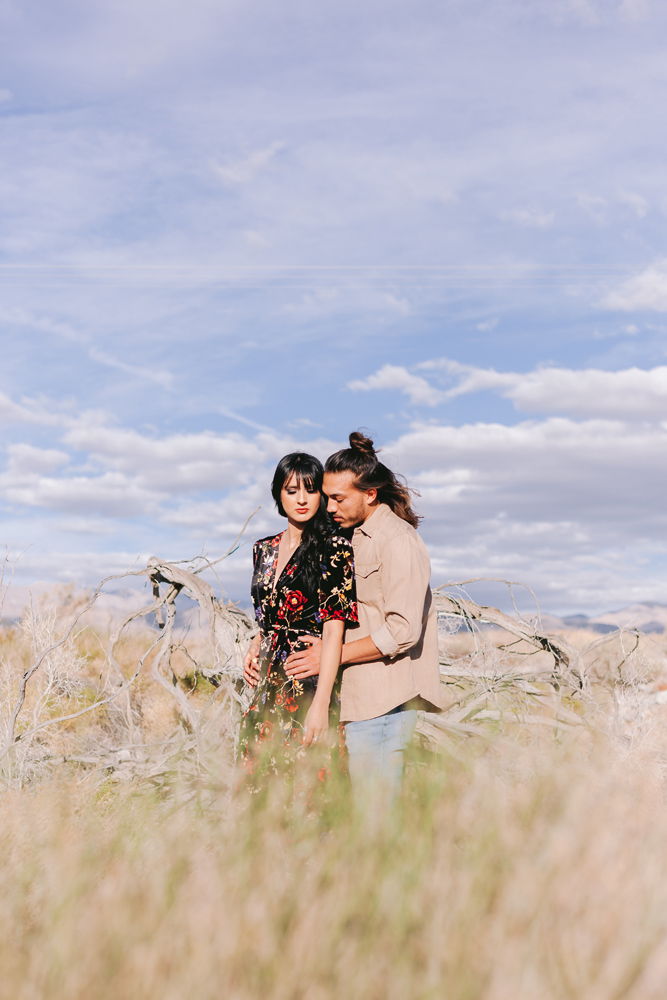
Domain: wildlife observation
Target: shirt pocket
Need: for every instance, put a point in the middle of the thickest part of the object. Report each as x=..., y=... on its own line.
x=367, y=575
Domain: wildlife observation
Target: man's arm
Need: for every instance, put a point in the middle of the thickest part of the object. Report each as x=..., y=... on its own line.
x=360, y=651
x=306, y=662
x=406, y=572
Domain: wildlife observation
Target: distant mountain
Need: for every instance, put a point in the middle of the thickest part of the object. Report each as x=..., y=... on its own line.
x=648, y=617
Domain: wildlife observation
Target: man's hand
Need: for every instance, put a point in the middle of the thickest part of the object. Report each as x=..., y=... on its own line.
x=305, y=663
x=251, y=672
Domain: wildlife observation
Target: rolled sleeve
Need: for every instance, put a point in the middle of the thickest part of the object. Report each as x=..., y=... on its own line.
x=406, y=572
x=385, y=641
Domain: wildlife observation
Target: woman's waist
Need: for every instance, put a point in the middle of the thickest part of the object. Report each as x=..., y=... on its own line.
x=292, y=630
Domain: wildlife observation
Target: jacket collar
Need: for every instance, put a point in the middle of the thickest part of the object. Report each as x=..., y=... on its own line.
x=371, y=524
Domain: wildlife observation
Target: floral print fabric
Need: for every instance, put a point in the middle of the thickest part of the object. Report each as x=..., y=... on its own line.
x=284, y=613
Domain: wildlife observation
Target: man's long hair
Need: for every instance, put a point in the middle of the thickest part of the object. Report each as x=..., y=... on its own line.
x=369, y=473
x=308, y=470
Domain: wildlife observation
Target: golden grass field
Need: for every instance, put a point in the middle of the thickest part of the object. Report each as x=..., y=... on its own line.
x=526, y=860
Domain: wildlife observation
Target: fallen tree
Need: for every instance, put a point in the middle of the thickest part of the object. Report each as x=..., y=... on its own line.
x=503, y=677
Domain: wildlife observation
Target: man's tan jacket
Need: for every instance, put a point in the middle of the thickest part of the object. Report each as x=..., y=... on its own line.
x=396, y=610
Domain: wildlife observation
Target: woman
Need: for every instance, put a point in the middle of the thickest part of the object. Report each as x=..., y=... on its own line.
x=303, y=584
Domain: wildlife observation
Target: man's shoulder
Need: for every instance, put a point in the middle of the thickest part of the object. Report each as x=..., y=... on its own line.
x=395, y=534
x=393, y=526
x=398, y=546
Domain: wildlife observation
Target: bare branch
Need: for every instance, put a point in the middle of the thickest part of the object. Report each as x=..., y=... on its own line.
x=83, y=711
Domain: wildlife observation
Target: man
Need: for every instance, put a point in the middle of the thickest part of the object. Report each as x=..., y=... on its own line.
x=390, y=663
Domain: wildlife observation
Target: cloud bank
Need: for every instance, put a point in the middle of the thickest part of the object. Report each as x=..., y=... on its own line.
x=633, y=392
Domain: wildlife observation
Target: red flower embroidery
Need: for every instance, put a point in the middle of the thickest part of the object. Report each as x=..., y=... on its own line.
x=266, y=731
x=294, y=601
x=291, y=705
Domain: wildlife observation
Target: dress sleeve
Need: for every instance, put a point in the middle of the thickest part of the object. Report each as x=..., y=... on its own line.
x=255, y=591
x=338, y=592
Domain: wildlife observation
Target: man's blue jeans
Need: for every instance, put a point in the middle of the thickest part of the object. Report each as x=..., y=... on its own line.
x=376, y=748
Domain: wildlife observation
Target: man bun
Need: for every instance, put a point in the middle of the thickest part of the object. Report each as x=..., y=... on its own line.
x=369, y=473
x=360, y=443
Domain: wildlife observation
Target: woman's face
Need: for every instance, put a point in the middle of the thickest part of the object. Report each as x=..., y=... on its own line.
x=299, y=503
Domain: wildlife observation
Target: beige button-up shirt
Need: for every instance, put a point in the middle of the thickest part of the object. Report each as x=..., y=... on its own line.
x=396, y=610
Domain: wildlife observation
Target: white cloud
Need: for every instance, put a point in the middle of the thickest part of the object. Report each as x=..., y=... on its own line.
x=127, y=474
x=488, y=325
x=24, y=458
x=546, y=500
x=244, y=171
x=628, y=393
x=631, y=392
x=176, y=463
x=112, y=494
x=573, y=508
x=395, y=377
x=594, y=475
x=647, y=290
x=29, y=411
x=530, y=218
x=225, y=517
x=5, y=95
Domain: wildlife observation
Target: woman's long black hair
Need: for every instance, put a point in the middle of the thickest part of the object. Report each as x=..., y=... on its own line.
x=308, y=470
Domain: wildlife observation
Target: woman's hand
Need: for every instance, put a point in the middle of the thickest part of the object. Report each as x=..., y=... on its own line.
x=316, y=726
x=251, y=673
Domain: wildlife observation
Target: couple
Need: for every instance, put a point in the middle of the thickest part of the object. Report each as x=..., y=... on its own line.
x=323, y=602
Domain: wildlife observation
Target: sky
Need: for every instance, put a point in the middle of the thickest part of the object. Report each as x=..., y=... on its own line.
x=229, y=230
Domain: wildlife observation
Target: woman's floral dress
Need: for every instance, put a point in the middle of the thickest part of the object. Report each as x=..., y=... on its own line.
x=285, y=612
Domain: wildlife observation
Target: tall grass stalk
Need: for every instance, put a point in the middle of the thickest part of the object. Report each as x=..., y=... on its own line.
x=522, y=874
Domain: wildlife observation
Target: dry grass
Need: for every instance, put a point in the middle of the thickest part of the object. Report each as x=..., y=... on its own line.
x=523, y=875
x=526, y=861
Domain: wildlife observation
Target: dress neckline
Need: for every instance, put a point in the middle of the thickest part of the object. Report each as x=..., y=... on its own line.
x=276, y=579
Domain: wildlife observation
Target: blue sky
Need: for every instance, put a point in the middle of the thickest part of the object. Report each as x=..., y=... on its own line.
x=228, y=230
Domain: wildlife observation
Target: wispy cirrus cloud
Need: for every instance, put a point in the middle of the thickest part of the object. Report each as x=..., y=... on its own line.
x=160, y=376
